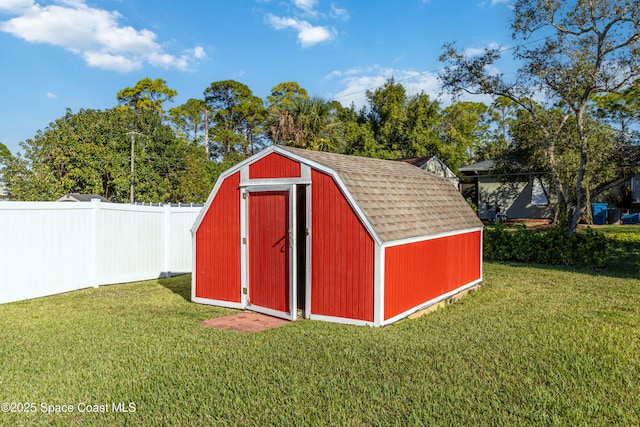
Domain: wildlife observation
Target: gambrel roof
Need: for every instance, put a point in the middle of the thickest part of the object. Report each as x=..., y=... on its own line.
x=399, y=200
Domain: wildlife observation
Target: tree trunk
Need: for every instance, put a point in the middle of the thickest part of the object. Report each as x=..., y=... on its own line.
x=589, y=216
x=580, y=198
x=206, y=132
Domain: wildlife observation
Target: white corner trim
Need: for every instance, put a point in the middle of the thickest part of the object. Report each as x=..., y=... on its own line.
x=307, y=241
x=481, y=254
x=194, y=271
x=378, y=285
x=244, y=247
x=305, y=172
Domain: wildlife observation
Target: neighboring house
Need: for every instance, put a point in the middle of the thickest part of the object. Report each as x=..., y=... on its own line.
x=435, y=165
x=3, y=191
x=635, y=190
x=77, y=197
x=523, y=199
x=627, y=194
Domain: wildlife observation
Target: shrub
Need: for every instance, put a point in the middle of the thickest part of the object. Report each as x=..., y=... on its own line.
x=550, y=247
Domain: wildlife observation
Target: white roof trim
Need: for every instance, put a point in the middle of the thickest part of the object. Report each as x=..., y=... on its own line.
x=301, y=159
x=430, y=237
x=225, y=174
x=343, y=188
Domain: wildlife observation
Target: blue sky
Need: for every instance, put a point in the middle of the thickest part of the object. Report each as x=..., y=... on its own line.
x=78, y=54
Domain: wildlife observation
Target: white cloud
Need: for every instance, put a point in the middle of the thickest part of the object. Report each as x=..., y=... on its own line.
x=339, y=13
x=51, y=95
x=352, y=71
x=15, y=4
x=199, y=53
x=356, y=88
x=508, y=3
x=111, y=62
x=357, y=81
x=94, y=34
x=308, y=35
x=306, y=5
x=475, y=51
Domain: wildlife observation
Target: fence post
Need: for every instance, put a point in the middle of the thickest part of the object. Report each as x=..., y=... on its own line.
x=167, y=240
x=95, y=207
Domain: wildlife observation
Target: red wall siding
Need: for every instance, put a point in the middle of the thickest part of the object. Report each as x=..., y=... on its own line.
x=274, y=166
x=218, y=245
x=342, y=255
x=418, y=272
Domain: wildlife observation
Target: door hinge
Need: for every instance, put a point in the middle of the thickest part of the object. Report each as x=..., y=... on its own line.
x=244, y=240
x=244, y=291
x=244, y=195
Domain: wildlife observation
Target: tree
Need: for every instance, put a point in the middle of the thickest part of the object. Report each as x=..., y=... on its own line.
x=501, y=115
x=423, y=122
x=237, y=117
x=5, y=154
x=358, y=136
x=406, y=126
x=5, y=157
x=588, y=48
x=197, y=179
x=191, y=121
x=463, y=132
x=388, y=118
x=279, y=121
x=621, y=110
x=89, y=152
x=283, y=94
x=312, y=123
x=147, y=94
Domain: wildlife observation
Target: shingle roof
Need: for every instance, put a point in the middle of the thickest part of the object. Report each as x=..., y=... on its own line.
x=400, y=200
x=483, y=166
x=416, y=161
x=78, y=197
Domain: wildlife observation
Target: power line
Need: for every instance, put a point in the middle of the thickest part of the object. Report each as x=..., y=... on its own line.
x=437, y=70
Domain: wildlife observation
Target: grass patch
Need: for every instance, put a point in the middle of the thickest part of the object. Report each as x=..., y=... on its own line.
x=624, y=249
x=534, y=346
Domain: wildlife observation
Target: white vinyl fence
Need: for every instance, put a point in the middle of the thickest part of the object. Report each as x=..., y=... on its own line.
x=52, y=247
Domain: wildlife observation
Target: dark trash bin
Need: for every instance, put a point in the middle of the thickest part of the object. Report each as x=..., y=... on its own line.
x=613, y=215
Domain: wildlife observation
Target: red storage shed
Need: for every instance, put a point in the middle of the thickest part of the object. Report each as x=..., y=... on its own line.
x=332, y=237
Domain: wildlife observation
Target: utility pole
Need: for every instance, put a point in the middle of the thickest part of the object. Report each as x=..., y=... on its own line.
x=206, y=131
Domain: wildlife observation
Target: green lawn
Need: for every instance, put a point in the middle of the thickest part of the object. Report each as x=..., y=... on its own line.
x=535, y=346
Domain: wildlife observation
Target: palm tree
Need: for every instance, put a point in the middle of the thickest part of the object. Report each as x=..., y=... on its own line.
x=309, y=123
